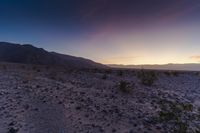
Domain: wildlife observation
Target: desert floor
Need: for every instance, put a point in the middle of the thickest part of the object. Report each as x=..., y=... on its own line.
x=39, y=99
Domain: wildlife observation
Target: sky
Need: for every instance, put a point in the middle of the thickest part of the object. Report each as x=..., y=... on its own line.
x=107, y=31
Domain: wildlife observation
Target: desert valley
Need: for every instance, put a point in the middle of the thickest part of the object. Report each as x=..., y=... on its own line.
x=99, y=66
x=62, y=99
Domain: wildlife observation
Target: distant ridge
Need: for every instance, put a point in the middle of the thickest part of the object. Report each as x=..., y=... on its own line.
x=185, y=67
x=28, y=54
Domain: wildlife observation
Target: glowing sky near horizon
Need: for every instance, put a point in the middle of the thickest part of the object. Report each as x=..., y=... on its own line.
x=107, y=31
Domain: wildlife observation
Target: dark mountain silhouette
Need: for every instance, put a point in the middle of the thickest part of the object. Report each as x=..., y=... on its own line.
x=29, y=54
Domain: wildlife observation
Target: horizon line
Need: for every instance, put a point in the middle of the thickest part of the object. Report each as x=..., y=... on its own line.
x=151, y=64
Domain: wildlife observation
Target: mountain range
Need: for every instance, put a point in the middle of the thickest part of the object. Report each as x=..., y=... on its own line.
x=184, y=67
x=28, y=54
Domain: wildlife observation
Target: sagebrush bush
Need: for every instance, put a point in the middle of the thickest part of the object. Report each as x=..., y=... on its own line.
x=120, y=73
x=172, y=73
x=12, y=130
x=176, y=114
x=4, y=67
x=147, y=77
x=176, y=74
x=187, y=107
x=167, y=73
x=104, y=76
x=108, y=71
x=124, y=87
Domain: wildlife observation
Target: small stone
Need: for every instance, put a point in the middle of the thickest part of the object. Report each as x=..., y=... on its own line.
x=113, y=130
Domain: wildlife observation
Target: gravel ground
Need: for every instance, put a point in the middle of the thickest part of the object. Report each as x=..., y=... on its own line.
x=37, y=99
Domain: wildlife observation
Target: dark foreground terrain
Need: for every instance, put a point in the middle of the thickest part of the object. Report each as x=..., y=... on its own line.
x=41, y=99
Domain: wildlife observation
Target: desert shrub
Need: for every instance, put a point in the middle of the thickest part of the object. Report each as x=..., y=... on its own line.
x=181, y=127
x=28, y=77
x=12, y=130
x=167, y=73
x=176, y=74
x=95, y=70
x=197, y=73
x=35, y=68
x=147, y=78
x=120, y=73
x=124, y=87
x=187, y=107
x=199, y=114
x=4, y=67
x=166, y=116
x=108, y=71
x=104, y=76
x=172, y=73
x=47, y=67
x=23, y=66
x=177, y=115
x=52, y=75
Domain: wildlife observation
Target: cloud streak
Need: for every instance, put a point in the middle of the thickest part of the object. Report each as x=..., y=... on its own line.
x=196, y=57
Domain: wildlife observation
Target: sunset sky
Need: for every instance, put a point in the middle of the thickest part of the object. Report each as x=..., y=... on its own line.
x=107, y=31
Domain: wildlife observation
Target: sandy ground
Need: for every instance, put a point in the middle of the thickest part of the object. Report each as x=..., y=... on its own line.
x=36, y=99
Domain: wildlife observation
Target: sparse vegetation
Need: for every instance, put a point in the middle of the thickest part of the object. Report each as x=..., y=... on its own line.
x=166, y=116
x=124, y=87
x=34, y=67
x=23, y=66
x=12, y=130
x=108, y=71
x=52, y=75
x=187, y=107
x=167, y=73
x=104, y=76
x=111, y=96
x=120, y=73
x=177, y=114
x=37, y=69
x=199, y=114
x=181, y=127
x=47, y=67
x=172, y=73
x=197, y=73
x=4, y=67
x=58, y=76
x=147, y=77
